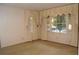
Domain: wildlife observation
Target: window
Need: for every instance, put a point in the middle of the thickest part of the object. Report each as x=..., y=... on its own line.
x=57, y=24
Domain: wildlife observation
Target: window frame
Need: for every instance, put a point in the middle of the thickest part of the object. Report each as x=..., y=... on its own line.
x=67, y=18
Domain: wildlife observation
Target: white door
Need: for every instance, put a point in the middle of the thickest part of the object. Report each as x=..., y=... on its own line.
x=31, y=25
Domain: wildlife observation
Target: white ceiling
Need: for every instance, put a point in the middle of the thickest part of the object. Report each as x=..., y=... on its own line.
x=35, y=6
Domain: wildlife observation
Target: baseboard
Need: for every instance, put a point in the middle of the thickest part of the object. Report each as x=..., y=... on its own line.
x=16, y=44
x=36, y=39
x=60, y=43
x=20, y=43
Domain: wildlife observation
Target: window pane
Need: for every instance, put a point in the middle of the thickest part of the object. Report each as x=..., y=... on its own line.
x=58, y=24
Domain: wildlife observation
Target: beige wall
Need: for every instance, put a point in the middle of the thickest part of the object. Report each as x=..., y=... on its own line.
x=13, y=26
x=67, y=38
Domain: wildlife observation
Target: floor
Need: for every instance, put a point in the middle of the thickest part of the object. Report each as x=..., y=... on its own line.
x=39, y=47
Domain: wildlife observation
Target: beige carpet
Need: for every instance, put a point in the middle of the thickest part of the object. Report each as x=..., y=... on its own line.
x=39, y=47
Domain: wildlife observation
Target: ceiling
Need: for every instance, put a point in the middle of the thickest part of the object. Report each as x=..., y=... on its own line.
x=34, y=6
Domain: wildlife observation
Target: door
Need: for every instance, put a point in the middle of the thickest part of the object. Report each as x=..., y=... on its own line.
x=31, y=25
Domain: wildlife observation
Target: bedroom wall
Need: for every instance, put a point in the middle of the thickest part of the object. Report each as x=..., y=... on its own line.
x=13, y=28
x=71, y=36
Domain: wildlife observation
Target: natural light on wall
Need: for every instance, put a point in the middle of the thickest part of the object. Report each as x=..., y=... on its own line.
x=52, y=20
x=70, y=27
